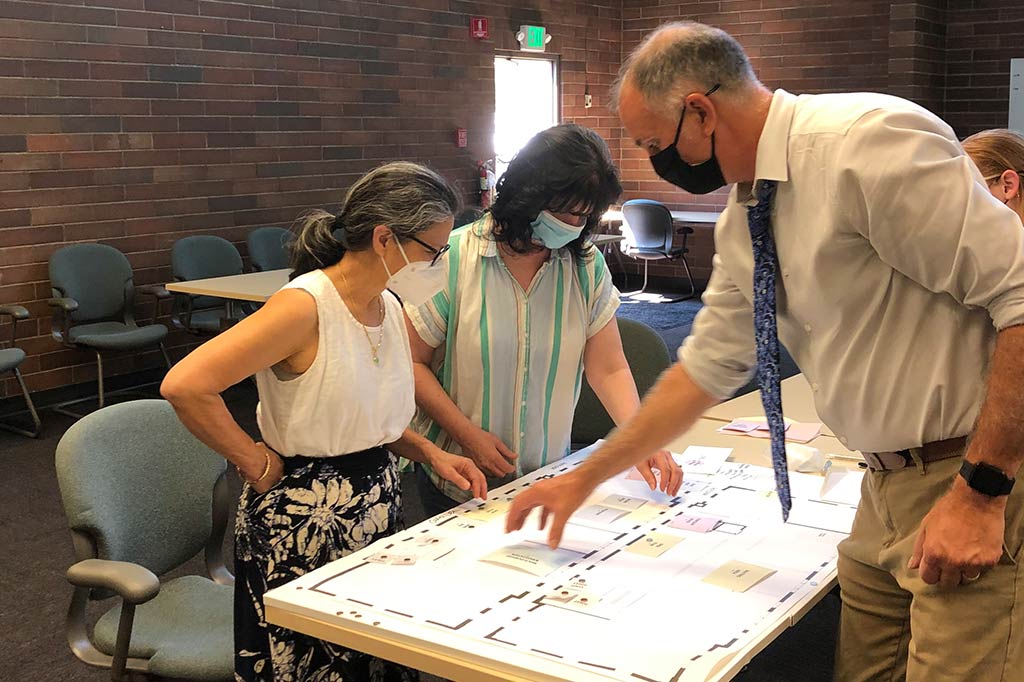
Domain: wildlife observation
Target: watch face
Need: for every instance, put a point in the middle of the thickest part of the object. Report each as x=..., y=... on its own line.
x=986, y=479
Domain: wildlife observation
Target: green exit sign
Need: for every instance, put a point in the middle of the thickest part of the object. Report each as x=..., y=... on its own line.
x=533, y=38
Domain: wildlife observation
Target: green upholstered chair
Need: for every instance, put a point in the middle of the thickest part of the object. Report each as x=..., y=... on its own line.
x=142, y=496
x=10, y=361
x=94, y=302
x=647, y=356
x=202, y=257
x=269, y=247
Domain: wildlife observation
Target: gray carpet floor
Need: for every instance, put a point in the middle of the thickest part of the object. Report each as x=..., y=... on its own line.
x=35, y=550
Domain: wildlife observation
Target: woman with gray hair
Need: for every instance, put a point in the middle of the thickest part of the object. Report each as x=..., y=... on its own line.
x=334, y=373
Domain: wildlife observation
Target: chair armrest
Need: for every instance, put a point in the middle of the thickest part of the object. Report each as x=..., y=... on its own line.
x=68, y=305
x=18, y=312
x=157, y=290
x=133, y=583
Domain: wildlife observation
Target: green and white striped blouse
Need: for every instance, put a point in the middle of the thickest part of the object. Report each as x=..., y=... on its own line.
x=512, y=360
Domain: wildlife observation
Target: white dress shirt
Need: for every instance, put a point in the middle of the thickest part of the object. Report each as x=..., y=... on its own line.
x=896, y=270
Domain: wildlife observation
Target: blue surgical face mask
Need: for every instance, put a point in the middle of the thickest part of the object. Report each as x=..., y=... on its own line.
x=552, y=232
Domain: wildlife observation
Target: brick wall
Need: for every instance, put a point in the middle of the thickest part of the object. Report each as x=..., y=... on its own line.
x=951, y=57
x=804, y=47
x=982, y=37
x=137, y=122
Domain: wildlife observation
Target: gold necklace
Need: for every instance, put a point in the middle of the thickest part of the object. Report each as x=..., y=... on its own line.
x=374, y=350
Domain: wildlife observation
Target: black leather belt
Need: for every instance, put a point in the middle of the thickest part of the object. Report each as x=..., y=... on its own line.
x=929, y=452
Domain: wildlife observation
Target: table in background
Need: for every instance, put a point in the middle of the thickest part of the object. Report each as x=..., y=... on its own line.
x=252, y=287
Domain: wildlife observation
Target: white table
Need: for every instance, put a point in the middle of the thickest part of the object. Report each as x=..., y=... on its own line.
x=409, y=647
x=434, y=650
x=254, y=287
x=797, y=404
x=693, y=217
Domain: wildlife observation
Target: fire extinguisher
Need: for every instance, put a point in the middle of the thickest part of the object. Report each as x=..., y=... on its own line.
x=486, y=177
x=485, y=185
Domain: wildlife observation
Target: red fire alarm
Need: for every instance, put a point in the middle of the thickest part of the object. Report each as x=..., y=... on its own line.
x=461, y=137
x=478, y=28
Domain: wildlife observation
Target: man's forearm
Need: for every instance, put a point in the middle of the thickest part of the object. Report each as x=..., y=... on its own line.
x=998, y=439
x=671, y=407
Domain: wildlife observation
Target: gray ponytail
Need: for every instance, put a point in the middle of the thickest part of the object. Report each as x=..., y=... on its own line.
x=315, y=246
x=404, y=196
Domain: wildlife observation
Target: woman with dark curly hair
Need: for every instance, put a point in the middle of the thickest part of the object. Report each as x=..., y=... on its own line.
x=499, y=354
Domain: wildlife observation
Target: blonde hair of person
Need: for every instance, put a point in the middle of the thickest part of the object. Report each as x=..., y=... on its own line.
x=999, y=155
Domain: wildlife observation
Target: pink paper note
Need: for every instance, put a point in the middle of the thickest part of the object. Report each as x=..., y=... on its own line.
x=634, y=475
x=803, y=432
x=765, y=427
x=695, y=524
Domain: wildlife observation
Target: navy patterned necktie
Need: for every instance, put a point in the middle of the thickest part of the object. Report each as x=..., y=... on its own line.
x=759, y=218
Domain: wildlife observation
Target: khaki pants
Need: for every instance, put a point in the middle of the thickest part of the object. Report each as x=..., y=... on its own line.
x=894, y=626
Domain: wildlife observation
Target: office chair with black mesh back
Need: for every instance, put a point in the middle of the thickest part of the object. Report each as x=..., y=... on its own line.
x=94, y=301
x=10, y=361
x=649, y=231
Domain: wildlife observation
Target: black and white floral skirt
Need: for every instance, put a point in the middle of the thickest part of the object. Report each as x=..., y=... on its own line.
x=323, y=509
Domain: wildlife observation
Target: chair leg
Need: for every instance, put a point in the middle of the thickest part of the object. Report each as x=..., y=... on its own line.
x=643, y=289
x=36, y=422
x=689, y=277
x=167, y=358
x=102, y=396
x=99, y=378
x=124, y=638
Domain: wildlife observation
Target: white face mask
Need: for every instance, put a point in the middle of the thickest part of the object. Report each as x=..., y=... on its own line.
x=417, y=282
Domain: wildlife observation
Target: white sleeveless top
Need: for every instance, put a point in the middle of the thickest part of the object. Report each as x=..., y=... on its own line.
x=344, y=402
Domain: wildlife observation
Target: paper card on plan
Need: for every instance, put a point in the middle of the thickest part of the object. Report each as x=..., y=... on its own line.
x=531, y=557
x=635, y=475
x=842, y=486
x=695, y=524
x=765, y=427
x=654, y=544
x=700, y=459
x=822, y=515
x=739, y=426
x=598, y=513
x=575, y=538
x=646, y=513
x=737, y=576
x=803, y=432
x=490, y=510
x=624, y=502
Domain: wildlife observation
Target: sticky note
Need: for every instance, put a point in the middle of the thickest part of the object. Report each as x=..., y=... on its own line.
x=737, y=576
x=598, y=513
x=654, y=544
x=623, y=502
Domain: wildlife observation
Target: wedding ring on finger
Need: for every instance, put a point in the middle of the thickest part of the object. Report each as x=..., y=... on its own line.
x=970, y=578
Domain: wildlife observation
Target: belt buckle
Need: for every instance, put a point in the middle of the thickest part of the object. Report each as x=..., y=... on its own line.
x=887, y=461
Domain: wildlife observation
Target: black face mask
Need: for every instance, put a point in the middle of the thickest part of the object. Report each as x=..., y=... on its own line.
x=699, y=179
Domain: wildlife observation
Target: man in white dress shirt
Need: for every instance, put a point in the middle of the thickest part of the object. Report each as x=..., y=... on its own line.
x=900, y=294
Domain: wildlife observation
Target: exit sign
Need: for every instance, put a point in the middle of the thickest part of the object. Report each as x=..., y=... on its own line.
x=532, y=38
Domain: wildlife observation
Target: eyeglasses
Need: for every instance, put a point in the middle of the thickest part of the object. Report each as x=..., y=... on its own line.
x=438, y=253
